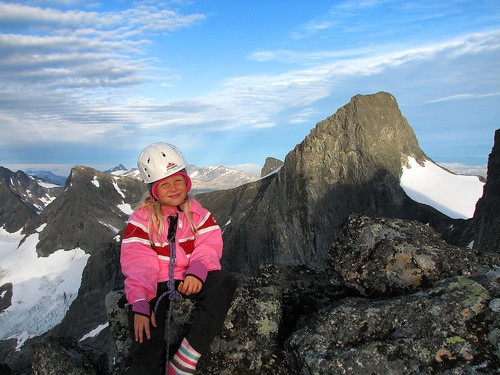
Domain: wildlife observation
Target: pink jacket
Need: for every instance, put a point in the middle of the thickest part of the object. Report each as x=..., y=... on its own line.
x=145, y=264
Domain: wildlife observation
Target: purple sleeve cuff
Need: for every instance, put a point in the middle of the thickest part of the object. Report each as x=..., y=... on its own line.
x=141, y=307
x=198, y=270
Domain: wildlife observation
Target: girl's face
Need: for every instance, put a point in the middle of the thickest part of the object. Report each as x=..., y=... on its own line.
x=172, y=191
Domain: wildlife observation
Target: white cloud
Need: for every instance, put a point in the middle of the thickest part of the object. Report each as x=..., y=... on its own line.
x=463, y=97
x=78, y=48
x=252, y=100
x=309, y=58
x=143, y=18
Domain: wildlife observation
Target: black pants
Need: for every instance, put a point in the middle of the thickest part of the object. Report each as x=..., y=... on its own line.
x=213, y=302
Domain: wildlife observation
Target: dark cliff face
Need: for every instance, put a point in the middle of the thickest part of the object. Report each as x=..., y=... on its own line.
x=486, y=216
x=87, y=213
x=351, y=161
x=22, y=199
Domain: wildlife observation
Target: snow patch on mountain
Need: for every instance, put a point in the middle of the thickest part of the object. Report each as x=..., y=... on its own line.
x=109, y=226
x=117, y=188
x=46, y=200
x=43, y=287
x=47, y=185
x=453, y=195
x=126, y=208
x=95, y=331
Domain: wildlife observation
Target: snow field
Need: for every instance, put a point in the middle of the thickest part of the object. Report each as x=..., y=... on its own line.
x=43, y=287
x=453, y=195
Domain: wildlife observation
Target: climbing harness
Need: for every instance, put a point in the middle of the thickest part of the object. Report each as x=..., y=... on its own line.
x=173, y=294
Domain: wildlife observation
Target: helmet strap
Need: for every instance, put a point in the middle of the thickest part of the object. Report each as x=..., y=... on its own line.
x=150, y=188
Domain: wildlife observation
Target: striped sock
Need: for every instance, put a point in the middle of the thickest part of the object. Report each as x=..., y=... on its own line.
x=184, y=361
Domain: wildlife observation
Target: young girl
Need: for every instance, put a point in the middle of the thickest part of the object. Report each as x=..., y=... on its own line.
x=171, y=248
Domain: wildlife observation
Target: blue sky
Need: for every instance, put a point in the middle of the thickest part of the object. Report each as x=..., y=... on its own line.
x=233, y=82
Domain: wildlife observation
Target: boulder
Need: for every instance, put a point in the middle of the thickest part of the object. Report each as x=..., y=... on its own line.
x=64, y=356
x=379, y=256
x=439, y=330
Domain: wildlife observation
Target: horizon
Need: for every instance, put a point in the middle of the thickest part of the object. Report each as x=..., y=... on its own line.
x=456, y=168
x=233, y=83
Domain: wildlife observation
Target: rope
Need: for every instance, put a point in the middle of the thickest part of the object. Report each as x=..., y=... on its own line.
x=173, y=294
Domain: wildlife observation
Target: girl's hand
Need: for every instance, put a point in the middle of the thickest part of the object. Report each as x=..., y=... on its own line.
x=190, y=285
x=141, y=325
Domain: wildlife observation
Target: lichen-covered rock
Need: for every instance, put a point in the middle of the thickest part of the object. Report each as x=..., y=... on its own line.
x=304, y=291
x=490, y=322
x=64, y=356
x=381, y=256
x=117, y=310
x=422, y=333
x=291, y=320
x=247, y=344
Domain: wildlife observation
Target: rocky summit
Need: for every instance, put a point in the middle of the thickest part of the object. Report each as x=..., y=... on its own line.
x=352, y=161
x=270, y=165
x=339, y=271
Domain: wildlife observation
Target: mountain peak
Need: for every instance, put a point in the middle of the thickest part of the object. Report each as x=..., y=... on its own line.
x=351, y=161
x=371, y=130
x=118, y=170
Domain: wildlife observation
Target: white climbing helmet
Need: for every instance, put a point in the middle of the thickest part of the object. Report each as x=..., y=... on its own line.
x=160, y=160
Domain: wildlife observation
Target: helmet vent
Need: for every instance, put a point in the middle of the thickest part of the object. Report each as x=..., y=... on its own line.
x=164, y=155
x=148, y=160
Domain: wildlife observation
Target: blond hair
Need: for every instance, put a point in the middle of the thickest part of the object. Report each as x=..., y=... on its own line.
x=157, y=221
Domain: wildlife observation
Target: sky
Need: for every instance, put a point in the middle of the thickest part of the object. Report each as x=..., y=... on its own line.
x=233, y=82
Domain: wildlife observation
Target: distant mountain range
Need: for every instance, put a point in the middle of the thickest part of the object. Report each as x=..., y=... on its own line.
x=466, y=170
x=204, y=179
x=220, y=178
x=46, y=176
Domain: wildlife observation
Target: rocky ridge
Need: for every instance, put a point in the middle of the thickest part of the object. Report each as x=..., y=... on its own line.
x=89, y=214
x=24, y=196
x=296, y=311
x=352, y=161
